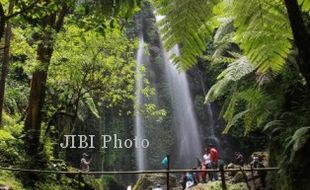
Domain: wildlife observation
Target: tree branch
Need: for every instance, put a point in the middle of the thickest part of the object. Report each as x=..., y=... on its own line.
x=25, y=9
x=2, y=21
x=61, y=17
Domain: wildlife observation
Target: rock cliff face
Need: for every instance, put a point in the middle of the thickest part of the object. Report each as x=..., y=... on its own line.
x=149, y=181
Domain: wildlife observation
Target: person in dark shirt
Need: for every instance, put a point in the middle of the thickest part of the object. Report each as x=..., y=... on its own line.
x=239, y=160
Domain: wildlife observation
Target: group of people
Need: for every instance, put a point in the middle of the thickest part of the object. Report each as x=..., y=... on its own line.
x=209, y=160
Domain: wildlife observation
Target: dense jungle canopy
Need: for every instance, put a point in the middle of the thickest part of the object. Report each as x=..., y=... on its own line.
x=72, y=68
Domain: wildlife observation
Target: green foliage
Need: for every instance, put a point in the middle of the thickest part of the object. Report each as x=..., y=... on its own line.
x=218, y=186
x=235, y=71
x=10, y=144
x=305, y=5
x=262, y=26
x=16, y=98
x=257, y=109
x=297, y=142
x=9, y=179
x=23, y=49
x=110, y=182
x=91, y=66
x=52, y=186
x=187, y=24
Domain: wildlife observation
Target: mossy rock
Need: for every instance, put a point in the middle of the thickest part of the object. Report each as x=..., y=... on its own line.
x=239, y=177
x=218, y=186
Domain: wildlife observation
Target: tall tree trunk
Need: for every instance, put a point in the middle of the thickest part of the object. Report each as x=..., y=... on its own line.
x=34, y=115
x=301, y=37
x=37, y=93
x=6, y=59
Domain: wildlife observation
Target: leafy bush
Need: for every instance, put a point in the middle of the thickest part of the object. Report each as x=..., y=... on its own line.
x=7, y=178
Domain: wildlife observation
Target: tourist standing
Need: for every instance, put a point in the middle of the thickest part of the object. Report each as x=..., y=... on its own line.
x=239, y=160
x=214, y=161
x=85, y=162
x=207, y=161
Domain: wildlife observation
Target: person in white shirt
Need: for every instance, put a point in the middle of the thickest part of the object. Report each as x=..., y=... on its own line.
x=207, y=161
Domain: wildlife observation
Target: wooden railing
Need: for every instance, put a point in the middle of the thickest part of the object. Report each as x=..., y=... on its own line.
x=167, y=171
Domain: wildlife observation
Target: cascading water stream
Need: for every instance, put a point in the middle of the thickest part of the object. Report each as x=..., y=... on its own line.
x=211, y=137
x=139, y=124
x=189, y=144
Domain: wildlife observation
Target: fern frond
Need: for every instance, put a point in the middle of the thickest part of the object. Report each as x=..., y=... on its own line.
x=256, y=112
x=272, y=124
x=232, y=122
x=223, y=36
x=186, y=23
x=217, y=90
x=263, y=32
x=298, y=140
x=234, y=72
x=237, y=69
x=264, y=78
x=305, y=5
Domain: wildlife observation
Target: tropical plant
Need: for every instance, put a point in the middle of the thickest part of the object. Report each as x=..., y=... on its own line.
x=261, y=25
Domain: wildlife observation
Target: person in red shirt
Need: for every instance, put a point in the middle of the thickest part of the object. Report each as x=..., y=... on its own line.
x=213, y=154
x=214, y=157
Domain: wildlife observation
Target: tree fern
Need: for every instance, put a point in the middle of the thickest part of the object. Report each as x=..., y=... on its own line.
x=239, y=68
x=263, y=32
x=256, y=112
x=188, y=24
x=305, y=4
x=296, y=142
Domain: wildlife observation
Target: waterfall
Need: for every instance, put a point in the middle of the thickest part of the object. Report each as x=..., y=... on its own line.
x=189, y=144
x=211, y=138
x=139, y=124
x=189, y=141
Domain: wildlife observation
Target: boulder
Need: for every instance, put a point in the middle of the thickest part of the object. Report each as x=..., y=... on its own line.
x=216, y=185
x=5, y=187
x=149, y=181
x=238, y=177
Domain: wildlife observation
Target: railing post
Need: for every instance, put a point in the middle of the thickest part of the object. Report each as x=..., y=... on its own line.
x=253, y=177
x=168, y=168
x=223, y=177
x=80, y=179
